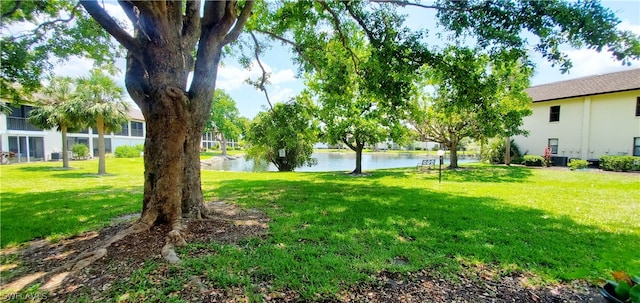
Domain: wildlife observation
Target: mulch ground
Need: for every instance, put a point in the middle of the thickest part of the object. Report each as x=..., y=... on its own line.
x=474, y=284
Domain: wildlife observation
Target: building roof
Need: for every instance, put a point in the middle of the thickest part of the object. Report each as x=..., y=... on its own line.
x=586, y=86
x=135, y=114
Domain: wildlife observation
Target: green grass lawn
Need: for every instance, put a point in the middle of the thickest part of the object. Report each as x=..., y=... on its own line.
x=332, y=230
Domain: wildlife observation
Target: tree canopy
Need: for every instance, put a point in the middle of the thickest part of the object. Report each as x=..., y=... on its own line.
x=224, y=118
x=473, y=95
x=284, y=135
x=102, y=107
x=58, y=110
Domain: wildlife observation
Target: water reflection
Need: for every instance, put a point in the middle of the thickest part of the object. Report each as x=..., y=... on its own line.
x=334, y=161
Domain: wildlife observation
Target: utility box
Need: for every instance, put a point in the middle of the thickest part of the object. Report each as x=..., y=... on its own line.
x=559, y=160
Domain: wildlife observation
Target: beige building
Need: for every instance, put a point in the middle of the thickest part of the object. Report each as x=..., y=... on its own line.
x=585, y=118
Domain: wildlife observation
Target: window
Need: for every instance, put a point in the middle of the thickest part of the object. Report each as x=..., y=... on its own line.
x=71, y=141
x=636, y=146
x=554, y=113
x=553, y=146
x=17, y=119
x=107, y=146
x=137, y=129
x=124, y=131
x=637, y=106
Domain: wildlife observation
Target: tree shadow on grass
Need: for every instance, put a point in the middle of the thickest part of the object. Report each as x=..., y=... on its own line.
x=339, y=234
x=474, y=173
x=26, y=216
x=45, y=168
x=493, y=174
x=80, y=175
x=65, y=173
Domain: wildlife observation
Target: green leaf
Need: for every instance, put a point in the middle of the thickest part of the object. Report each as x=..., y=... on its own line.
x=634, y=293
x=622, y=290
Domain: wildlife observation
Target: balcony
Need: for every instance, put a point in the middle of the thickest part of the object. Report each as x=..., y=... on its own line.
x=15, y=123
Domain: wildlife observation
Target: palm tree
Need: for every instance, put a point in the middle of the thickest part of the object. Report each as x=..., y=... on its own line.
x=56, y=110
x=103, y=108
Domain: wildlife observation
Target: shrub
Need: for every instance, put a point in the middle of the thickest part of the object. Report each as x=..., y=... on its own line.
x=494, y=153
x=577, y=164
x=80, y=150
x=283, y=136
x=533, y=160
x=619, y=163
x=127, y=151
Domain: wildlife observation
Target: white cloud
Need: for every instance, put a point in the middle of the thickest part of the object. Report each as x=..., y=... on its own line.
x=589, y=62
x=74, y=67
x=231, y=77
x=282, y=76
x=626, y=25
x=280, y=94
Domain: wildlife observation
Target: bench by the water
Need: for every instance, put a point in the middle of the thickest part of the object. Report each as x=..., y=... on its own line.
x=426, y=165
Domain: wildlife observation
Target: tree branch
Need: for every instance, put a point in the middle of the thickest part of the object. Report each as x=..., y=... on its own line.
x=360, y=22
x=296, y=47
x=191, y=26
x=346, y=142
x=343, y=38
x=36, y=32
x=111, y=26
x=240, y=22
x=405, y=3
x=130, y=10
x=264, y=72
x=213, y=13
x=15, y=7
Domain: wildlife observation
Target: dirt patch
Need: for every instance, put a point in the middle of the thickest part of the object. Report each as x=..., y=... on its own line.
x=473, y=284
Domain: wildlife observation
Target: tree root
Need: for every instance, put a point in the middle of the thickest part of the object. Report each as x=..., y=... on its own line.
x=54, y=278
x=174, y=239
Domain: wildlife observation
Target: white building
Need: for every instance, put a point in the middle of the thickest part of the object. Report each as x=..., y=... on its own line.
x=29, y=143
x=585, y=118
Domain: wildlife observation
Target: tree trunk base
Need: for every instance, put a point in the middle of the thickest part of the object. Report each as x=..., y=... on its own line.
x=58, y=275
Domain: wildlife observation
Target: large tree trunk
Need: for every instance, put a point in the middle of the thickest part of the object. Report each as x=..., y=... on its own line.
x=159, y=60
x=65, y=147
x=223, y=144
x=453, y=154
x=358, y=149
x=192, y=199
x=102, y=167
x=199, y=113
x=163, y=160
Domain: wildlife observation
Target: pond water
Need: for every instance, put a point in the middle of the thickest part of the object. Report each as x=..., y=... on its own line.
x=336, y=161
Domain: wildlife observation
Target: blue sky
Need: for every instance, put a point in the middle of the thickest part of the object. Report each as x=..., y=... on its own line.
x=284, y=84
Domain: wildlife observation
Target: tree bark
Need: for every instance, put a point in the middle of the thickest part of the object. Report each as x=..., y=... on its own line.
x=453, y=155
x=102, y=167
x=358, y=149
x=223, y=144
x=199, y=112
x=65, y=147
x=163, y=161
x=507, y=151
x=192, y=203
